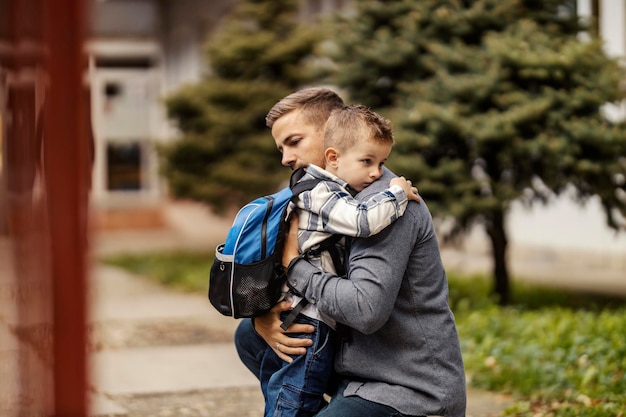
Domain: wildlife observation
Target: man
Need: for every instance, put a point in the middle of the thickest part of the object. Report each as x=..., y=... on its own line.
x=400, y=352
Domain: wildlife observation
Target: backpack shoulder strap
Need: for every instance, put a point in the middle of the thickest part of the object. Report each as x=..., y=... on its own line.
x=330, y=244
x=303, y=186
x=298, y=186
x=296, y=176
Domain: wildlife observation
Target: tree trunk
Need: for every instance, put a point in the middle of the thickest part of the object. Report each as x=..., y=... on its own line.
x=497, y=234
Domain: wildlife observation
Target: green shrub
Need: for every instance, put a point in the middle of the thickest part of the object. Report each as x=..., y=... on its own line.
x=564, y=354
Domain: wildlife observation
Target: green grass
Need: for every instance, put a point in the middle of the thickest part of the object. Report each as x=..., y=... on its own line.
x=183, y=271
x=560, y=354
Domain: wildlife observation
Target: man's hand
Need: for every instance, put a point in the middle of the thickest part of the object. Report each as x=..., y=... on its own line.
x=268, y=327
x=407, y=186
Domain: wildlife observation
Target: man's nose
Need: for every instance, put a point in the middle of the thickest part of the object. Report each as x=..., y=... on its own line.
x=288, y=158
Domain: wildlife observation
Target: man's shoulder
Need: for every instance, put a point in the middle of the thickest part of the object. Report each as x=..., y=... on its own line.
x=387, y=176
x=377, y=186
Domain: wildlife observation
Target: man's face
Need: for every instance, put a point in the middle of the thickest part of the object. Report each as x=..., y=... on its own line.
x=298, y=142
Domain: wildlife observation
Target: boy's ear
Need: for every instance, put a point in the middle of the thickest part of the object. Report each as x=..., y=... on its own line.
x=331, y=154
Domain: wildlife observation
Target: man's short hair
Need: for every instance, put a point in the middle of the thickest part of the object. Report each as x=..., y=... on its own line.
x=350, y=124
x=316, y=104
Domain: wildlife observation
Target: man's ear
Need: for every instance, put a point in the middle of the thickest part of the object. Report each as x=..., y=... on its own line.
x=331, y=155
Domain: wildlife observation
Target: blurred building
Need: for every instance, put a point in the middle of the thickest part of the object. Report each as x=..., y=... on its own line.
x=141, y=50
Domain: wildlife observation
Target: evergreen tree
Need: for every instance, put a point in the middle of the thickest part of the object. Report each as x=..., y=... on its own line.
x=493, y=101
x=226, y=154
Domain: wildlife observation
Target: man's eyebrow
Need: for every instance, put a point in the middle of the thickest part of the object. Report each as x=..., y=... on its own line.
x=289, y=137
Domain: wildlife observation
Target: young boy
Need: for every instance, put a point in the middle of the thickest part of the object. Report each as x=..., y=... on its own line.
x=357, y=143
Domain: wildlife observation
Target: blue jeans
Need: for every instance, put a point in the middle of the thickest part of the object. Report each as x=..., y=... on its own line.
x=250, y=347
x=251, y=350
x=354, y=406
x=293, y=389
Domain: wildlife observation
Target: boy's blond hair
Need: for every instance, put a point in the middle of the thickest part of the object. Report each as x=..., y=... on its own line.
x=316, y=104
x=348, y=125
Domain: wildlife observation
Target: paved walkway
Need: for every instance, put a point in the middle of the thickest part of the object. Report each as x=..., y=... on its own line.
x=162, y=353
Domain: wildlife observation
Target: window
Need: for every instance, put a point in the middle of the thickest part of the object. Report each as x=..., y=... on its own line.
x=124, y=166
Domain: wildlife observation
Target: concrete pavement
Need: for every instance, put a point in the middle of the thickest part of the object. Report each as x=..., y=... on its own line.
x=148, y=339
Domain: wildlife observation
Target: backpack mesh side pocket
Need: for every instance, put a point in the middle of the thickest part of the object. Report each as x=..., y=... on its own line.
x=244, y=290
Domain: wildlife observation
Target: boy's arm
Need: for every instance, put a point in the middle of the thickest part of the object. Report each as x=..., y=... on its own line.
x=332, y=209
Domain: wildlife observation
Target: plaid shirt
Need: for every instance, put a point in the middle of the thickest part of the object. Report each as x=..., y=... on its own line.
x=330, y=209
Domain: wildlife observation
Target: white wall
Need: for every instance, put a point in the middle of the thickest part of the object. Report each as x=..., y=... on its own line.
x=565, y=225
x=612, y=28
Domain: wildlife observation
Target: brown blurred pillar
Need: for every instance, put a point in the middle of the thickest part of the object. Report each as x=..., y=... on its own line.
x=26, y=320
x=66, y=153
x=44, y=181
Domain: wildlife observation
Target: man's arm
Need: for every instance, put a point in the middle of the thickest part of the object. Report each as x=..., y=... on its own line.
x=377, y=264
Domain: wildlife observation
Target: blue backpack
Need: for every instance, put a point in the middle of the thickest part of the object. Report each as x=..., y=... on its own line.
x=247, y=274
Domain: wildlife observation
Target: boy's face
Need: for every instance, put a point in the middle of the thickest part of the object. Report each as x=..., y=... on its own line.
x=298, y=142
x=361, y=165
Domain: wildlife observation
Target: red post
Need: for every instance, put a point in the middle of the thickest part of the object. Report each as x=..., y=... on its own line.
x=66, y=169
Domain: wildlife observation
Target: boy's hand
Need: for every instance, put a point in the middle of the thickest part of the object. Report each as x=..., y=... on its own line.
x=407, y=186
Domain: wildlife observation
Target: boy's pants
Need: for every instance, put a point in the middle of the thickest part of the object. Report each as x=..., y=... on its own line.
x=293, y=389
